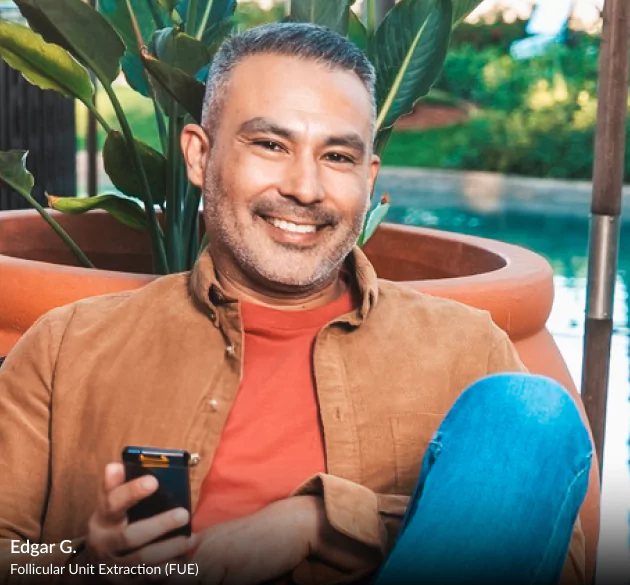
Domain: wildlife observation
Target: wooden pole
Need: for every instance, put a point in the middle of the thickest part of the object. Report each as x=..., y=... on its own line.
x=608, y=172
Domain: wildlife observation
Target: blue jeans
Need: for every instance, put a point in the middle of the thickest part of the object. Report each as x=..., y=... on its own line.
x=499, y=491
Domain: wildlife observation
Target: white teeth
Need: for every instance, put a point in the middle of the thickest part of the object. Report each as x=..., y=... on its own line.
x=292, y=227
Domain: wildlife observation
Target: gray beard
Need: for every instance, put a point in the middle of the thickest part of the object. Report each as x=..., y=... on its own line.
x=224, y=232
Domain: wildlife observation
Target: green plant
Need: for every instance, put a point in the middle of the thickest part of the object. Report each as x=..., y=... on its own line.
x=491, y=78
x=164, y=48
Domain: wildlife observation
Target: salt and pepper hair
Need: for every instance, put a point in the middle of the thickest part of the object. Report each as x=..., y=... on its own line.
x=293, y=39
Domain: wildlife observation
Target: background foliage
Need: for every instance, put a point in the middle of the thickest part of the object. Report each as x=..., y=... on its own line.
x=534, y=118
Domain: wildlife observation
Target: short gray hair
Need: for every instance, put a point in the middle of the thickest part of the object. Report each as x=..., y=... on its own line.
x=293, y=39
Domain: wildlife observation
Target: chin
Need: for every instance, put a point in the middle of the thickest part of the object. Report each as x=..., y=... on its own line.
x=280, y=278
x=284, y=268
x=293, y=281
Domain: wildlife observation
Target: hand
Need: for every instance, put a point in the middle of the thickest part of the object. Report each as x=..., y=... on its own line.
x=260, y=547
x=112, y=540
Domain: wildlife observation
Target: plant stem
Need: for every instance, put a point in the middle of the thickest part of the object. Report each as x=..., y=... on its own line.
x=191, y=221
x=98, y=116
x=190, y=225
x=204, y=21
x=173, y=198
x=159, y=121
x=204, y=243
x=81, y=257
x=191, y=17
x=157, y=238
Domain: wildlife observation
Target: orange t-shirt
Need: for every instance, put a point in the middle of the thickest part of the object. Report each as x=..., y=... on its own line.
x=272, y=440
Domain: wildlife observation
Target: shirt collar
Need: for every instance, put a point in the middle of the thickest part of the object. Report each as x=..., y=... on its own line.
x=206, y=289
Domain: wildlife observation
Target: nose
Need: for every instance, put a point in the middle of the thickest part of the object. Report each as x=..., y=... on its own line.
x=302, y=180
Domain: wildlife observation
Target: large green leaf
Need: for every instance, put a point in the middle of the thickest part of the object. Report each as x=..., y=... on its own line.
x=214, y=36
x=186, y=90
x=77, y=27
x=382, y=139
x=168, y=5
x=136, y=75
x=43, y=64
x=13, y=171
x=208, y=13
x=357, y=32
x=117, y=14
x=125, y=210
x=462, y=8
x=180, y=50
x=374, y=219
x=408, y=51
x=118, y=164
x=331, y=13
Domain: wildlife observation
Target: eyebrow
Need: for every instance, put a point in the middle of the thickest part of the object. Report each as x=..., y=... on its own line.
x=350, y=140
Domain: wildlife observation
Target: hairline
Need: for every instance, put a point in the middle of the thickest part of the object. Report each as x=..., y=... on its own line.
x=211, y=117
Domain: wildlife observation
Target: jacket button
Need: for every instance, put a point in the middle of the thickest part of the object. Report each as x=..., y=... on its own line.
x=195, y=458
x=214, y=404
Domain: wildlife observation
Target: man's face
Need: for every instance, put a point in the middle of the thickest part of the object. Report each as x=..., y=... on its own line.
x=289, y=171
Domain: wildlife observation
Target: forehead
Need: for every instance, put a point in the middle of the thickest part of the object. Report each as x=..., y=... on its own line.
x=289, y=88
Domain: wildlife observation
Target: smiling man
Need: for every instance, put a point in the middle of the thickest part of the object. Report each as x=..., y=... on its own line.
x=345, y=428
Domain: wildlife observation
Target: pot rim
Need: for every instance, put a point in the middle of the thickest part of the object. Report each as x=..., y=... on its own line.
x=519, y=295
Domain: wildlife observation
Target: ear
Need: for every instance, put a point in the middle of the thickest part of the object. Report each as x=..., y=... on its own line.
x=196, y=150
x=375, y=165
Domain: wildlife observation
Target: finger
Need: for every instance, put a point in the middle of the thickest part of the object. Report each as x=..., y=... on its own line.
x=121, y=498
x=161, y=552
x=142, y=532
x=114, y=476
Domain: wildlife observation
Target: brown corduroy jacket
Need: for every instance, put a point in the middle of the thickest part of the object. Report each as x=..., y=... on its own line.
x=161, y=367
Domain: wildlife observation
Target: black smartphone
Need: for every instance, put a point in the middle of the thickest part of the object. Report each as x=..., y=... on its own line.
x=171, y=469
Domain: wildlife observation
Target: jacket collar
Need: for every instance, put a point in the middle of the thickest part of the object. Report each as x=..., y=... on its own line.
x=205, y=288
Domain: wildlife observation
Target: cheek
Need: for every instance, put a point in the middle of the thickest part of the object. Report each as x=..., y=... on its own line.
x=246, y=177
x=348, y=192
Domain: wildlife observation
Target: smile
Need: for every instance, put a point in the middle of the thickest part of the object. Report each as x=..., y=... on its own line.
x=295, y=228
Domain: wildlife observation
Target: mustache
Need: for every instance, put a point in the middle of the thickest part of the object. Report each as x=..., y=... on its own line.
x=315, y=214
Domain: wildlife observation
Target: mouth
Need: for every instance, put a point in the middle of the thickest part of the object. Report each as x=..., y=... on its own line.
x=293, y=227
x=293, y=231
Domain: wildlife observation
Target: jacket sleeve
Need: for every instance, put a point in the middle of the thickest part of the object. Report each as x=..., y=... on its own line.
x=26, y=381
x=361, y=515
x=374, y=519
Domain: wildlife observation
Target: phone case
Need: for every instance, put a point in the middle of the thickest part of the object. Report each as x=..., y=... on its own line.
x=170, y=468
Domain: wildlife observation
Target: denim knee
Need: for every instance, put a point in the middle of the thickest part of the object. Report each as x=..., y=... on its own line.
x=526, y=401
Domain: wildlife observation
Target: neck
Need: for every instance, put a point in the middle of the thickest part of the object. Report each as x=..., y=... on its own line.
x=286, y=300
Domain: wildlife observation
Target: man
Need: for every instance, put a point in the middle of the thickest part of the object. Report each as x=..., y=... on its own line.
x=308, y=390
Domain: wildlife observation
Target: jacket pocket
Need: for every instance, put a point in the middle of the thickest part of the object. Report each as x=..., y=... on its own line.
x=411, y=436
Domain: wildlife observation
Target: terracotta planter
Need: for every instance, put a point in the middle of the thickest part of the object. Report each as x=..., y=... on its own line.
x=37, y=273
x=512, y=283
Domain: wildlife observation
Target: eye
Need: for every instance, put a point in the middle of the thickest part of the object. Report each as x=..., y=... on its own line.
x=339, y=158
x=268, y=145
